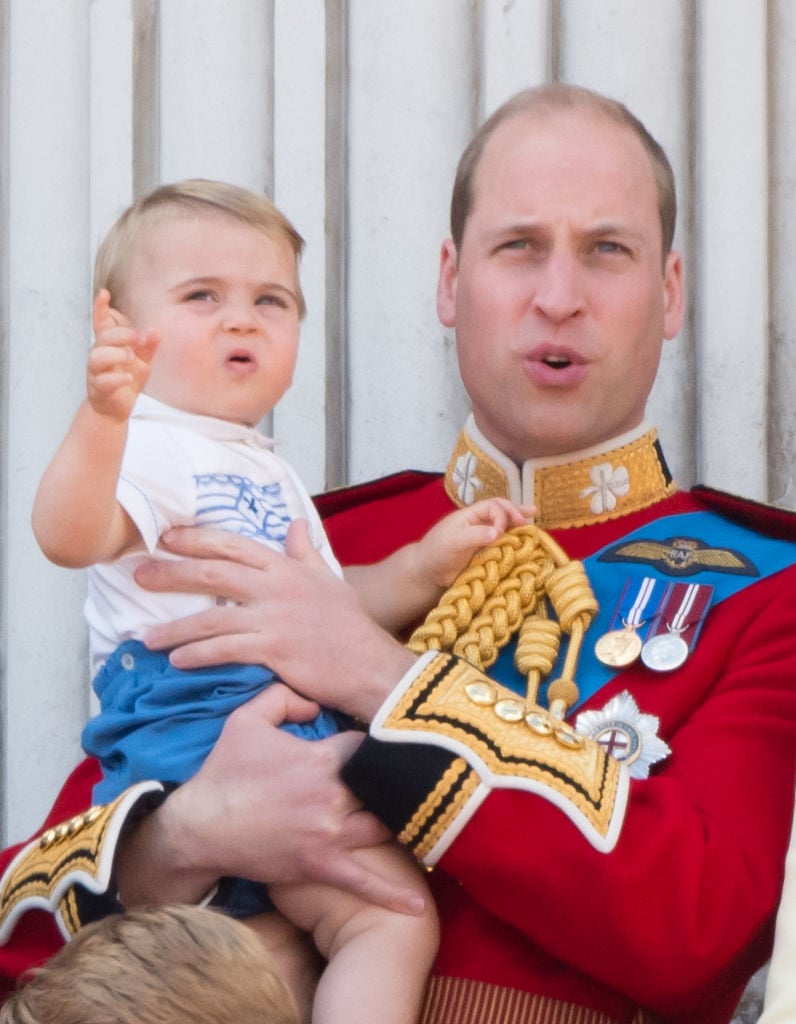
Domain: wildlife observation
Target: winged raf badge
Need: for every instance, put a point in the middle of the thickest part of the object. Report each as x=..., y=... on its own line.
x=681, y=556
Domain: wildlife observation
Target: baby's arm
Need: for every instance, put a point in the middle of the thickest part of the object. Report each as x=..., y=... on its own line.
x=378, y=960
x=76, y=518
x=398, y=590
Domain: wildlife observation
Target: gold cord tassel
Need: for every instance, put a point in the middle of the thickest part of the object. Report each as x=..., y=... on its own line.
x=512, y=588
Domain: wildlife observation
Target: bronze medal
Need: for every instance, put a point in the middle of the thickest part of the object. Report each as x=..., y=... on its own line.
x=621, y=647
x=618, y=648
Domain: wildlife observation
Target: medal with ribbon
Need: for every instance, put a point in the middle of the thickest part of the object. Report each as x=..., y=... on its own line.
x=637, y=606
x=676, y=627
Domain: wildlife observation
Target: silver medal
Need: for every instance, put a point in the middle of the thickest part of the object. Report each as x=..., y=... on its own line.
x=665, y=652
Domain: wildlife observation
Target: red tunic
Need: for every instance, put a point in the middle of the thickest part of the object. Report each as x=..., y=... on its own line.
x=679, y=914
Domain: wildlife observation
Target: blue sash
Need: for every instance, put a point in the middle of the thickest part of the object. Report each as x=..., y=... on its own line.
x=608, y=571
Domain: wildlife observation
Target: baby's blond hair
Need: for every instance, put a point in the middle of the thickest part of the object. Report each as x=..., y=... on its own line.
x=166, y=965
x=195, y=196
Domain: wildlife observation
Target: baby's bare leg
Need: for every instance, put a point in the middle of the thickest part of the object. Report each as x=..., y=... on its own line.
x=378, y=960
x=297, y=959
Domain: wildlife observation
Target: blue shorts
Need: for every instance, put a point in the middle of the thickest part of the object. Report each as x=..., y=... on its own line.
x=158, y=722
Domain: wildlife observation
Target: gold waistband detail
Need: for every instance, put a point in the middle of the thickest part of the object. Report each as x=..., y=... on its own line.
x=588, y=490
x=462, y=1001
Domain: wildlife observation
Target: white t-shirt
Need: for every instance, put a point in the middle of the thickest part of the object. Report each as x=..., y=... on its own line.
x=181, y=469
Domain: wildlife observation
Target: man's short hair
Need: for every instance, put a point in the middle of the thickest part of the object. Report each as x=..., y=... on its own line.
x=194, y=196
x=548, y=99
x=166, y=965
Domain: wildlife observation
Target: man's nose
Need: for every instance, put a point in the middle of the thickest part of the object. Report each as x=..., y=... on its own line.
x=558, y=293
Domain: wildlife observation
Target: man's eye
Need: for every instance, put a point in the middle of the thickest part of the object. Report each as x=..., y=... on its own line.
x=608, y=246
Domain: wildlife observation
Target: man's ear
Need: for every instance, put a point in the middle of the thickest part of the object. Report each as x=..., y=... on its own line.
x=448, y=280
x=673, y=295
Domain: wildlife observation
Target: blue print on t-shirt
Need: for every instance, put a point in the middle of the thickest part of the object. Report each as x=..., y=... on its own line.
x=236, y=503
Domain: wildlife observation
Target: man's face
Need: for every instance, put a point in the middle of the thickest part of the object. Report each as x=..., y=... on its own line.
x=558, y=294
x=224, y=299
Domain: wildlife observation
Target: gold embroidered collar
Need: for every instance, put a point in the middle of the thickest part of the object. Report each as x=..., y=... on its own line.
x=592, y=486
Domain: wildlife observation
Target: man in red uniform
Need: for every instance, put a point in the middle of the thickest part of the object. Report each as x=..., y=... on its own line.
x=609, y=846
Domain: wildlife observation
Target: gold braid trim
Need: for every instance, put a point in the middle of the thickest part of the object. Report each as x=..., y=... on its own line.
x=80, y=851
x=432, y=818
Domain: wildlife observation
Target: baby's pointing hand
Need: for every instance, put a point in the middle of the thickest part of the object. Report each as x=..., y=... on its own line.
x=119, y=362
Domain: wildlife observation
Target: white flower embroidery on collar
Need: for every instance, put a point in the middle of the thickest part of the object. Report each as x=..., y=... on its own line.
x=467, y=483
x=609, y=484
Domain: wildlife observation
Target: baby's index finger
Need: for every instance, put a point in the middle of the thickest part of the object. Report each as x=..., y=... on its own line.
x=104, y=315
x=102, y=304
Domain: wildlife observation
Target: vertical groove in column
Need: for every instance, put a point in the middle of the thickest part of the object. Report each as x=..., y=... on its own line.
x=478, y=49
x=769, y=178
x=267, y=73
x=781, y=427
x=769, y=385
x=556, y=56
x=773, y=434
x=689, y=190
x=336, y=240
x=146, y=96
x=694, y=250
x=4, y=283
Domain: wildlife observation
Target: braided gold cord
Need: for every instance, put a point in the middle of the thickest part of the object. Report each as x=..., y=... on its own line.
x=537, y=650
x=505, y=591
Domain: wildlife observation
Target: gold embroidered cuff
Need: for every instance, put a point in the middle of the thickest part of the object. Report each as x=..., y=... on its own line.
x=79, y=852
x=450, y=735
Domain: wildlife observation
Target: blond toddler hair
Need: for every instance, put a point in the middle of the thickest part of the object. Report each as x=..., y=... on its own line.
x=166, y=965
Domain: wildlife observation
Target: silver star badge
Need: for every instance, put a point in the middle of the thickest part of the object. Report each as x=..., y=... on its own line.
x=624, y=732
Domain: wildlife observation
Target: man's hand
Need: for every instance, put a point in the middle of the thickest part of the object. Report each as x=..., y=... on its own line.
x=289, y=613
x=265, y=806
x=119, y=362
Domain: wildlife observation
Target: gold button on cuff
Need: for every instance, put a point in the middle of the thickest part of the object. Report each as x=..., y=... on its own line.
x=481, y=693
x=510, y=710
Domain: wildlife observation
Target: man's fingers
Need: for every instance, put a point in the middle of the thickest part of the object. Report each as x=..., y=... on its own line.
x=298, y=544
x=278, y=704
x=193, y=542
x=346, y=744
x=362, y=829
x=215, y=577
x=198, y=645
x=345, y=873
